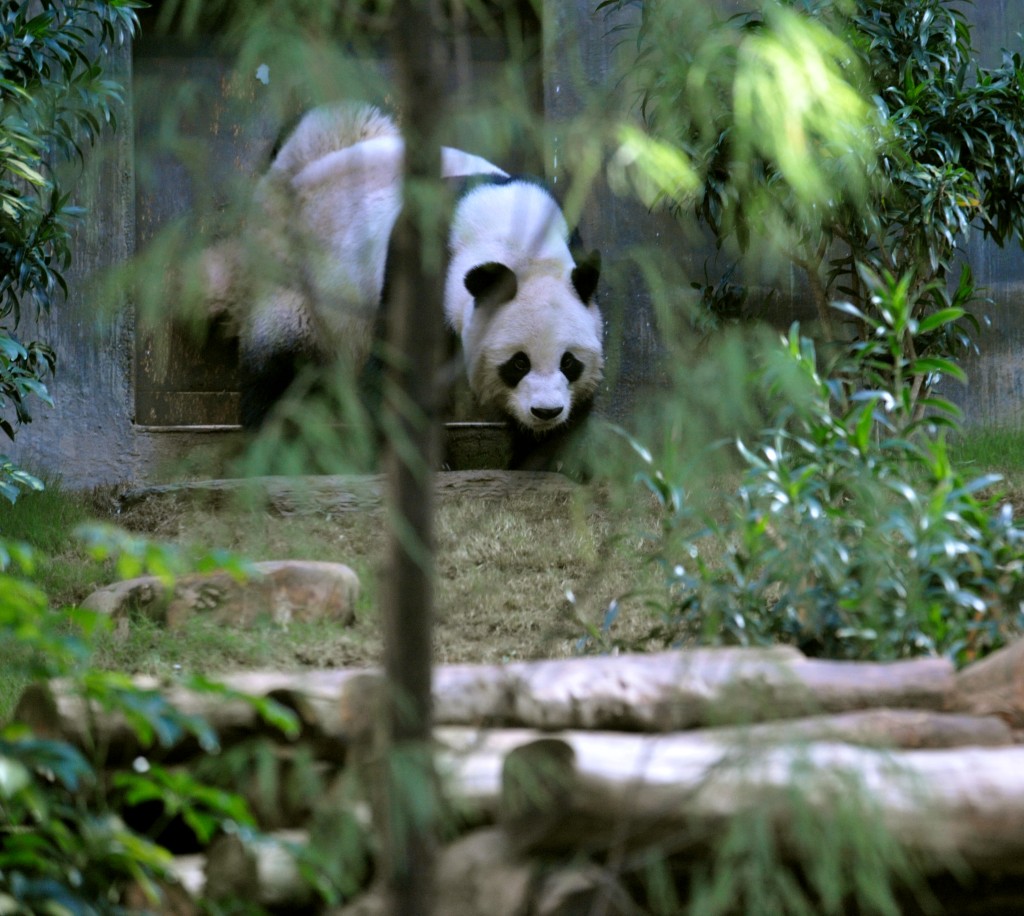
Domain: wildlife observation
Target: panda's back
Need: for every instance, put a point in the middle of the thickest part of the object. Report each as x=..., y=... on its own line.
x=515, y=216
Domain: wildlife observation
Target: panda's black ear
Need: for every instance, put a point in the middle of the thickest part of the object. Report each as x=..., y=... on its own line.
x=585, y=275
x=491, y=283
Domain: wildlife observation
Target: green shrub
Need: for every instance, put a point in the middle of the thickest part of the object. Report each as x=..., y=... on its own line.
x=914, y=146
x=851, y=534
x=64, y=847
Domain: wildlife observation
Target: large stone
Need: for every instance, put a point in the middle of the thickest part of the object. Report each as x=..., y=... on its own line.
x=279, y=590
x=477, y=875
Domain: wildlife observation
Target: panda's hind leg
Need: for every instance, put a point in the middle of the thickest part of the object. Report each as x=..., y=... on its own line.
x=276, y=345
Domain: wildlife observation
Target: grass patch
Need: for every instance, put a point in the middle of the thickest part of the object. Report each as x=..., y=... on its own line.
x=202, y=646
x=46, y=521
x=986, y=449
x=994, y=450
x=524, y=577
x=45, y=518
x=518, y=578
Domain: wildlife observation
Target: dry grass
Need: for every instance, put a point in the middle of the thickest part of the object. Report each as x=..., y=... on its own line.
x=516, y=578
x=519, y=578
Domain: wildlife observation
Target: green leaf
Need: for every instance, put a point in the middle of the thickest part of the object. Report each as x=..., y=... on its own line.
x=939, y=318
x=849, y=308
x=926, y=365
x=865, y=424
x=12, y=349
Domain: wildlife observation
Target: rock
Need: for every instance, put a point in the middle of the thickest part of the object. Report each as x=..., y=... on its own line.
x=477, y=874
x=581, y=888
x=281, y=590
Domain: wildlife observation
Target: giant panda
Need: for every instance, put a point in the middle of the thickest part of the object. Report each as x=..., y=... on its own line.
x=524, y=310
x=307, y=284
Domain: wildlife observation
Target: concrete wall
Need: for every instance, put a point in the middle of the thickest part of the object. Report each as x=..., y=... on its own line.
x=995, y=386
x=91, y=437
x=87, y=437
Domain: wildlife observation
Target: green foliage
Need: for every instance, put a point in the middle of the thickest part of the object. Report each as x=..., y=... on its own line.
x=54, y=103
x=851, y=533
x=63, y=845
x=765, y=112
x=831, y=186
x=202, y=808
x=135, y=555
x=58, y=855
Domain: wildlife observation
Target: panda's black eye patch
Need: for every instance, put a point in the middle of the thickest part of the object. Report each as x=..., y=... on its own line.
x=571, y=367
x=514, y=369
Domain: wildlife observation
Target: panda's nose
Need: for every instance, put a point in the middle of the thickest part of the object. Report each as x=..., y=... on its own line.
x=545, y=413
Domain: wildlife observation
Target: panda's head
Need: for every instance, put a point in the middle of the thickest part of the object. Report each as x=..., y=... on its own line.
x=533, y=347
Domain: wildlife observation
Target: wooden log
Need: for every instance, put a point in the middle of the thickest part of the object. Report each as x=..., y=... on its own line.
x=480, y=873
x=473, y=759
x=188, y=872
x=584, y=888
x=54, y=710
x=178, y=897
x=994, y=685
x=669, y=691
x=885, y=728
x=581, y=791
x=665, y=691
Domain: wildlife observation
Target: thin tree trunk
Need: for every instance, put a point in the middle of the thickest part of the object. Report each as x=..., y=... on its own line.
x=414, y=334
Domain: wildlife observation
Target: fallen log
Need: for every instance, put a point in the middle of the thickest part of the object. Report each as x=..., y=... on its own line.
x=472, y=759
x=176, y=897
x=188, y=873
x=994, y=685
x=480, y=873
x=882, y=728
x=669, y=691
x=666, y=691
x=582, y=791
x=55, y=710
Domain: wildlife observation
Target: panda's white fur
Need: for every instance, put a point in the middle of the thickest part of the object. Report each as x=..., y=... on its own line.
x=519, y=226
x=310, y=280
x=318, y=243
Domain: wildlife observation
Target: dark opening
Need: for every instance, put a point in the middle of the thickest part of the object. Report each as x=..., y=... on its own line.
x=202, y=139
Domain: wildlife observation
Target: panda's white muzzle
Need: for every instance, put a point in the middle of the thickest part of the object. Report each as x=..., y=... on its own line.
x=541, y=401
